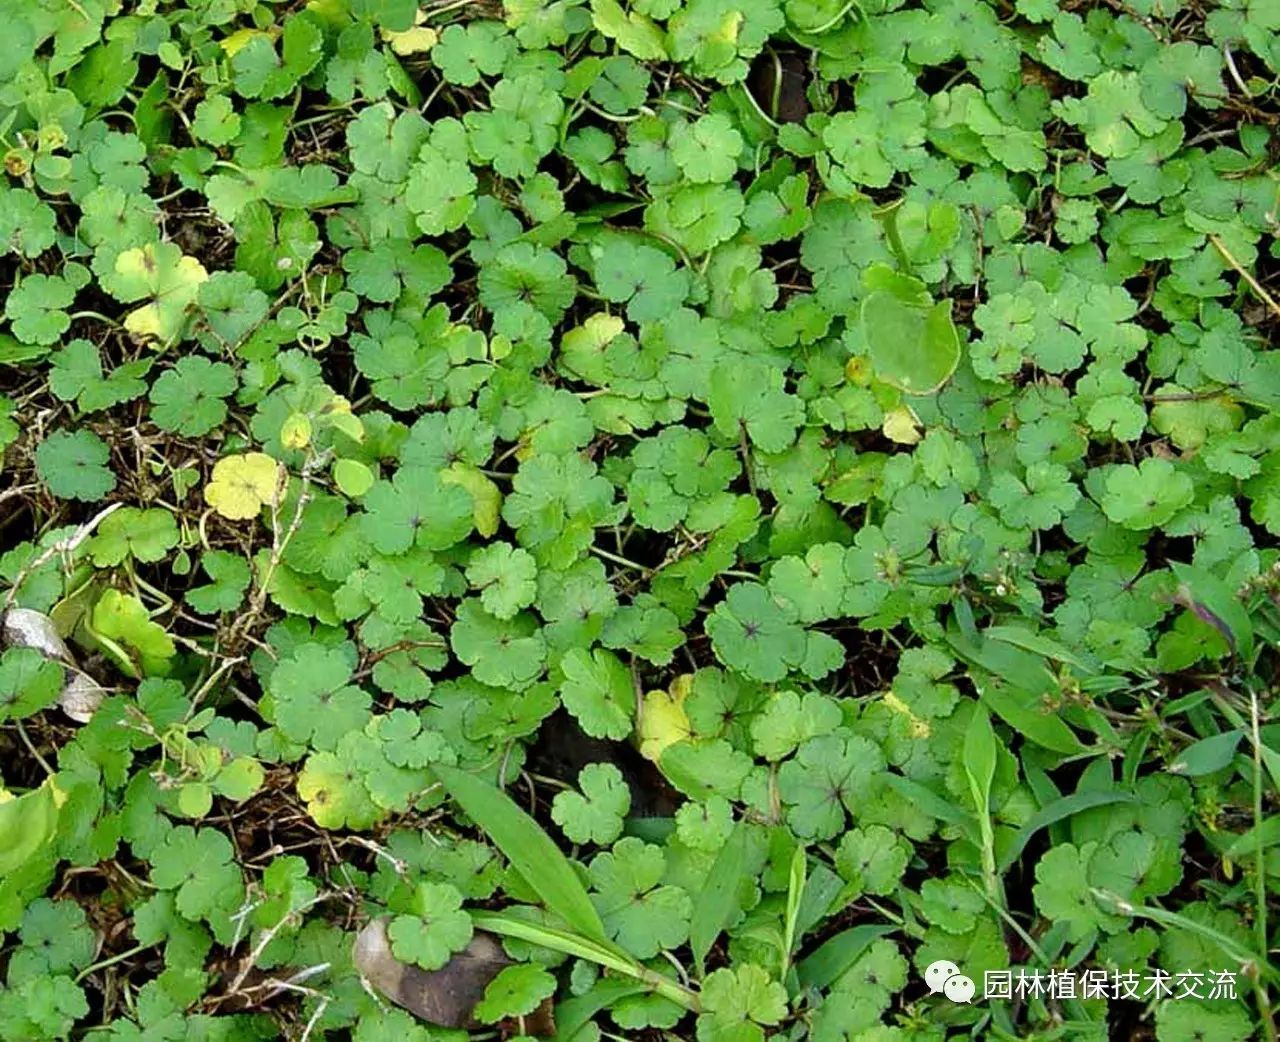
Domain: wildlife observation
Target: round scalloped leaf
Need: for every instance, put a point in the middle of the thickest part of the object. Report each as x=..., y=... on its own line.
x=242, y=485
x=74, y=465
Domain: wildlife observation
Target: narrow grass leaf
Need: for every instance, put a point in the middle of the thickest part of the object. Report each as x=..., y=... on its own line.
x=524, y=843
x=718, y=900
x=1059, y=810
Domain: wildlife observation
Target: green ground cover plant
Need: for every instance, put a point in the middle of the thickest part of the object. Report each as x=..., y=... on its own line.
x=667, y=520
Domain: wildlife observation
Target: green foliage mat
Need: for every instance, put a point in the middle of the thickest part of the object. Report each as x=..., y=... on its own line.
x=851, y=427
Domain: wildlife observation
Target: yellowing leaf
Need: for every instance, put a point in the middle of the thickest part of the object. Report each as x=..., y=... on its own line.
x=486, y=497
x=27, y=823
x=144, y=322
x=663, y=721
x=353, y=477
x=295, y=433
x=730, y=27
x=633, y=31
x=121, y=617
x=858, y=371
x=417, y=40
x=191, y=270
x=598, y=330
x=582, y=348
x=339, y=416
x=233, y=43
x=172, y=279
x=332, y=12
x=919, y=726
x=241, y=485
x=900, y=425
x=155, y=267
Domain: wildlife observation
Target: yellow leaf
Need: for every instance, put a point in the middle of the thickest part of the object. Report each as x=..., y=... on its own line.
x=332, y=12
x=730, y=26
x=296, y=431
x=160, y=271
x=337, y=413
x=190, y=271
x=858, y=371
x=121, y=617
x=145, y=322
x=241, y=485
x=918, y=726
x=486, y=497
x=417, y=40
x=27, y=824
x=900, y=425
x=231, y=44
x=632, y=31
x=663, y=721
x=594, y=335
x=353, y=477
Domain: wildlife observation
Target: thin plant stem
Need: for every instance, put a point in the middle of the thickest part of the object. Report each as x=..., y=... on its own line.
x=26, y=740
x=1245, y=274
x=1260, y=876
x=118, y=958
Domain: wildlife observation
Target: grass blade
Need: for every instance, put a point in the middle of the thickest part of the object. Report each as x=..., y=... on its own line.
x=835, y=956
x=532, y=852
x=1055, y=812
x=718, y=900
x=606, y=954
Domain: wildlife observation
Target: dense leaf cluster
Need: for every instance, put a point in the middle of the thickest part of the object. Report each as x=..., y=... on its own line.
x=862, y=416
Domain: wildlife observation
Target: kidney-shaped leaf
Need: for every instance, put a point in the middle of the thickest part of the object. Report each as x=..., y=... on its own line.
x=913, y=348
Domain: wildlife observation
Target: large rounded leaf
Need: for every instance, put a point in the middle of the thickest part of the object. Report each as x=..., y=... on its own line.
x=913, y=348
x=27, y=825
